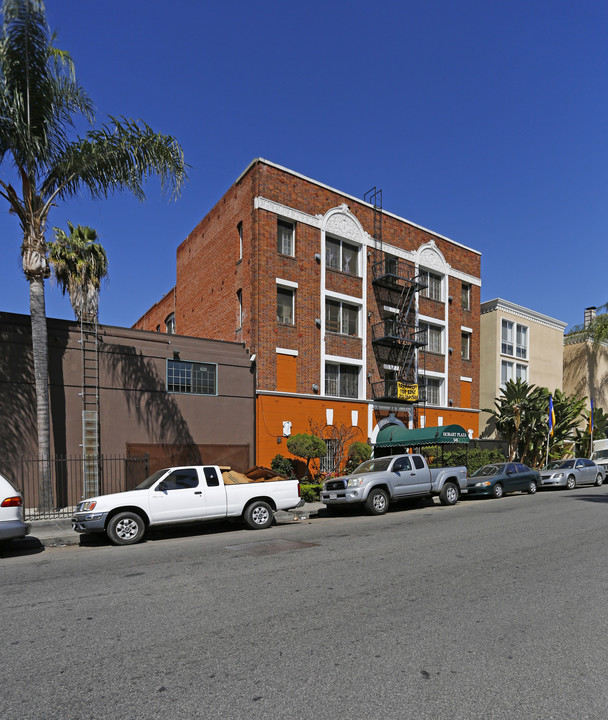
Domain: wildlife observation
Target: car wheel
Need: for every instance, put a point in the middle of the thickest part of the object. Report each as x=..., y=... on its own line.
x=599, y=480
x=258, y=515
x=448, y=494
x=497, y=491
x=377, y=502
x=571, y=483
x=532, y=487
x=125, y=528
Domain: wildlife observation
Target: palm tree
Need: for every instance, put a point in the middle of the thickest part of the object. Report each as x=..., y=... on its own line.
x=79, y=264
x=39, y=100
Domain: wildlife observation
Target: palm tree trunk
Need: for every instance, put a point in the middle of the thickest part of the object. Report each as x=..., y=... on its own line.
x=41, y=376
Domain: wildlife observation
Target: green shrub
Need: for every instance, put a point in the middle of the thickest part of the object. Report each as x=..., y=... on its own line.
x=310, y=492
x=282, y=466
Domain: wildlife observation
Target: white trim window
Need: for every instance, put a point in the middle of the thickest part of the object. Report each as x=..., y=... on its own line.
x=239, y=300
x=506, y=345
x=286, y=300
x=521, y=342
x=341, y=317
x=434, y=285
x=285, y=237
x=521, y=372
x=170, y=324
x=342, y=256
x=466, y=296
x=342, y=380
x=239, y=229
x=434, y=390
x=465, y=345
x=434, y=337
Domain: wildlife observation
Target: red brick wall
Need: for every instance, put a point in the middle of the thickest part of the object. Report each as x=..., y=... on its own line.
x=209, y=274
x=155, y=318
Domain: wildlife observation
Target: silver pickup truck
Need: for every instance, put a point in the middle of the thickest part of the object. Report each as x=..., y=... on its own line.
x=378, y=482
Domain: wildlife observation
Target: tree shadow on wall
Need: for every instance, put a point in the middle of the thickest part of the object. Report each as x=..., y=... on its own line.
x=147, y=398
x=17, y=400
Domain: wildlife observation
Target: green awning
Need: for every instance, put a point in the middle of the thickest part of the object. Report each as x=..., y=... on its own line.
x=397, y=435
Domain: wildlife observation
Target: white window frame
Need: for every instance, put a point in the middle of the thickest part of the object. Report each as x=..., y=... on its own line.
x=521, y=348
x=239, y=229
x=292, y=293
x=429, y=291
x=340, y=242
x=507, y=372
x=441, y=388
x=437, y=329
x=292, y=225
x=336, y=362
x=465, y=334
x=342, y=304
x=170, y=324
x=466, y=292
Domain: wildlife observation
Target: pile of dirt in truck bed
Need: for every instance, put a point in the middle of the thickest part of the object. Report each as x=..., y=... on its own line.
x=253, y=475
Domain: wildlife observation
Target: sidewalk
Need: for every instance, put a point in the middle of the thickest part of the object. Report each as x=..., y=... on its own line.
x=58, y=532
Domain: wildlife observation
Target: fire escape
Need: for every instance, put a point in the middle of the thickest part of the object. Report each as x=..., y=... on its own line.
x=89, y=343
x=397, y=337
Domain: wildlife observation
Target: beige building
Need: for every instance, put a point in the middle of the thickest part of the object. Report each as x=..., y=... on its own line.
x=586, y=366
x=516, y=342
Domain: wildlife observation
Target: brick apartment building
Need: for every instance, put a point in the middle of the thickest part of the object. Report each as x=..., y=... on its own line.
x=354, y=318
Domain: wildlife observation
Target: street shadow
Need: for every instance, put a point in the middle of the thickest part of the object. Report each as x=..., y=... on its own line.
x=146, y=396
x=593, y=498
x=21, y=547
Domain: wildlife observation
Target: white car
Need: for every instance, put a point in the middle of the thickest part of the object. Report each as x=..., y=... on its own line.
x=11, y=512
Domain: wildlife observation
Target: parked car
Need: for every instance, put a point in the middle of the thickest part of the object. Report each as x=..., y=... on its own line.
x=500, y=478
x=380, y=481
x=181, y=495
x=570, y=473
x=11, y=512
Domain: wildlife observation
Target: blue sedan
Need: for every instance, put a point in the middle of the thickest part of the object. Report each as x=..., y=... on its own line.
x=500, y=478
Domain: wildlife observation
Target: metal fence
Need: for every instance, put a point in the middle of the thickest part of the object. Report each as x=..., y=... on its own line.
x=67, y=480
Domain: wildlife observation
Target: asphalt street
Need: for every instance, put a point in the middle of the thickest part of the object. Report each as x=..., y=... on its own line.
x=488, y=609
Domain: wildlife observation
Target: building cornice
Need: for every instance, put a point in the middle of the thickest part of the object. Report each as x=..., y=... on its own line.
x=351, y=197
x=498, y=304
x=316, y=221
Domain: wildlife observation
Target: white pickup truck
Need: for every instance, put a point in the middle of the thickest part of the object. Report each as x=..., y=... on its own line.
x=182, y=495
x=379, y=481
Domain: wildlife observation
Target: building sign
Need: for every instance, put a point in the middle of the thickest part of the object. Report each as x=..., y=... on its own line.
x=407, y=392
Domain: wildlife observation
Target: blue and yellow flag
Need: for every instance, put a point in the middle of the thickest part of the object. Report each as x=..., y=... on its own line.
x=551, y=415
x=591, y=417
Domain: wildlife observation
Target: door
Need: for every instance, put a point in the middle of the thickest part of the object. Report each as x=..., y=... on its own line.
x=406, y=479
x=512, y=478
x=214, y=493
x=178, y=496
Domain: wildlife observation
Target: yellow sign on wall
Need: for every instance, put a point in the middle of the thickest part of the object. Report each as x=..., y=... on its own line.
x=407, y=392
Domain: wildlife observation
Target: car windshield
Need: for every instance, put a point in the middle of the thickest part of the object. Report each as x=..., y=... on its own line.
x=370, y=466
x=148, y=482
x=560, y=465
x=488, y=470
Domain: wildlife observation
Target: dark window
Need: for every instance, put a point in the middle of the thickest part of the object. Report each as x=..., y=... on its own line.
x=341, y=317
x=211, y=477
x=510, y=468
x=184, y=479
x=402, y=464
x=418, y=462
x=191, y=377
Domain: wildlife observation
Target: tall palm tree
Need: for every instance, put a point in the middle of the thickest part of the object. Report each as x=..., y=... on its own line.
x=39, y=99
x=79, y=264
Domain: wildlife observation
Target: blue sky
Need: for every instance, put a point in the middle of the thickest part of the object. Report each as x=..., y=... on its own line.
x=483, y=121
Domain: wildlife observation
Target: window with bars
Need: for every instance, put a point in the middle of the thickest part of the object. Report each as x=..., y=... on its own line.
x=285, y=305
x=327, y=463
x=191, y=377
x=433, y=283
x=342, y=380
x=341, y=317
x=342, y=256
x=285, y=235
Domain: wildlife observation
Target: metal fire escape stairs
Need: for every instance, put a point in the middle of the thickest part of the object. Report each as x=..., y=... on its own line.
x=89, y=342
x=397, y=336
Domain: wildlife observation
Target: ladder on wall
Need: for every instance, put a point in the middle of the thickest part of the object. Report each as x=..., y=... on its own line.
x=89, y=342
